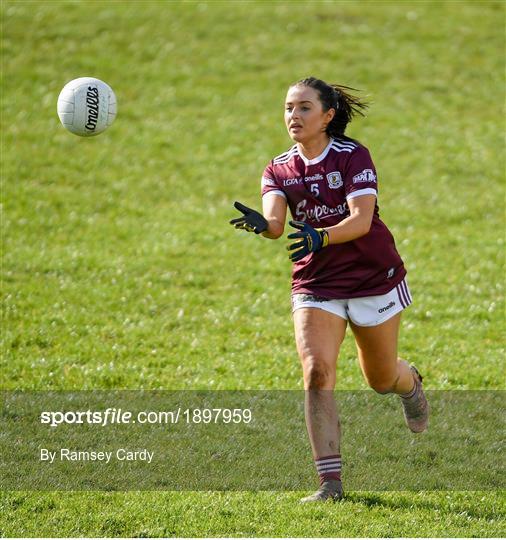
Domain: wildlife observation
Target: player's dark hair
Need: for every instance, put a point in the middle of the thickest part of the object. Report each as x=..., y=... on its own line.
x=337, y=97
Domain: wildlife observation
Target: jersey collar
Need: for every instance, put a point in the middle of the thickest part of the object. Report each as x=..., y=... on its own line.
x=317, y=159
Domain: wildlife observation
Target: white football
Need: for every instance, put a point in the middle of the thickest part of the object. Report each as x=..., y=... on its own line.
x=86, y=106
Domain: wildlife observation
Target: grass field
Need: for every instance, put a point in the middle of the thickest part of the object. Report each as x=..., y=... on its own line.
x=119, y=269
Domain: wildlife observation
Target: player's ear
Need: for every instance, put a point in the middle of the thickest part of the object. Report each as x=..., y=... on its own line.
x=330, y=115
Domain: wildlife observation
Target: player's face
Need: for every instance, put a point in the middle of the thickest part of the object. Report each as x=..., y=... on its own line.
x=304, y=116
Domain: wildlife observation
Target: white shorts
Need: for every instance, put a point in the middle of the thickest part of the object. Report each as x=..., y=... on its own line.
x=365, y=311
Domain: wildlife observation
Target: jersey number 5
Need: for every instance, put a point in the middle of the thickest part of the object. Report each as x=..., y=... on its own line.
x=315, y=190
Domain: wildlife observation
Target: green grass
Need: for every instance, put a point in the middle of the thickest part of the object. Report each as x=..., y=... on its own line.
x=266, y=514
x=119, y=269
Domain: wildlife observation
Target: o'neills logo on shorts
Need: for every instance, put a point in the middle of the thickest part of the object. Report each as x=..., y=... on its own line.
x=92, y=103
x=383, y=309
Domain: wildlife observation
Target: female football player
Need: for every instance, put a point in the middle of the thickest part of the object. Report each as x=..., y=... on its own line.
x=346, y=268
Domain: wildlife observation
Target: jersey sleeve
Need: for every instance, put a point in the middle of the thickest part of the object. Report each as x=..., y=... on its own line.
x=360, y=175
x=269, y=182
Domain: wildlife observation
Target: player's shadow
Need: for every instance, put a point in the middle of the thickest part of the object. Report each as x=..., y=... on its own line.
x=373, y=500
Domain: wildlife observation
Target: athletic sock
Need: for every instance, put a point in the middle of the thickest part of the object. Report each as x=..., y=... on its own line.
x=329, y=467
x=412, y=393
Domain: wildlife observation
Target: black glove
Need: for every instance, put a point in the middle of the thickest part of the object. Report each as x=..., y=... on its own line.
x=310, y=240
x=251, y=221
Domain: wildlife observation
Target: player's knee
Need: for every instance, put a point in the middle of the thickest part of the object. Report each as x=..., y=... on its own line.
x=317, y=375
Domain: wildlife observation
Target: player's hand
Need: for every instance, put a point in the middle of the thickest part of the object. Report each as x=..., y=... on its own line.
x=251, y=221
x=309, y=240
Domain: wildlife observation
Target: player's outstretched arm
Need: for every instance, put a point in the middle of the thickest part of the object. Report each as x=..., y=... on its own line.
x=274, y=208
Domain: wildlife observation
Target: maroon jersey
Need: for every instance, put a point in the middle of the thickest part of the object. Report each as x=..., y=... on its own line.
x=317, y=191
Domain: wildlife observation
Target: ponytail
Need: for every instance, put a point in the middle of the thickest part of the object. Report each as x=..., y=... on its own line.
x=337, y=97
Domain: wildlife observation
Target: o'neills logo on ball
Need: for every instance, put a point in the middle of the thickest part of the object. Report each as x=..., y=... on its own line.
x=92, y=103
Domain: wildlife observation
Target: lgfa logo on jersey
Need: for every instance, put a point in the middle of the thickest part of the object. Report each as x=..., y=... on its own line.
x=334, y=179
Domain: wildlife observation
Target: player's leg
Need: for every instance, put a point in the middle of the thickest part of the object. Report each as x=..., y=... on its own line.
x=377, y=354
x=319, y=335
x=385, y=372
